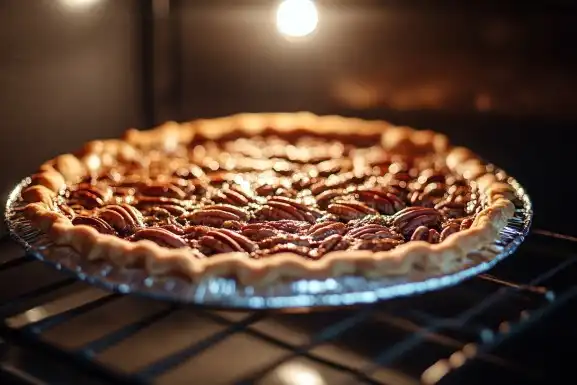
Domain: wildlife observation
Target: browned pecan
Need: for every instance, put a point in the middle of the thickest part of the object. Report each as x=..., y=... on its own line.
x=448, y=230
x=162, y=190
x=466, y=223
x=176, y=229
x=235, y=241
x=123, y=218
x=326, y=229
x=211, y=245
x=423, y=233
x=372, y=231
x=407, y=220
x=271, y=242
x=382, y=201
x=232, y=196
x=86, y=198
x=451, y=209
x=160, y=236
x=239, y=212
x=144, y=201
x=298, y=210
x=212, y=217
x=195, y=232
x=324, y=198
x=258, y=231
x=348, y=210
x=376, y=244
x=332, y=243
x=287, y=226
x=96, y=223
x=232, y=225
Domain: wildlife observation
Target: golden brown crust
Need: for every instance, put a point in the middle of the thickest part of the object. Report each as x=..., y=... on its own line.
x=157, y=260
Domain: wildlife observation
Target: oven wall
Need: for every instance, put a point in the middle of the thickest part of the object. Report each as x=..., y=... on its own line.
x=69, y=72
x=496, y=77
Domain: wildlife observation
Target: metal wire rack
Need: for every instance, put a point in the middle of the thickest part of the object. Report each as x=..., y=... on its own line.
x=57, y=330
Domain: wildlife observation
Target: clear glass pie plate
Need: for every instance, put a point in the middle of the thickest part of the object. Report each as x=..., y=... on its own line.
x=227, y=293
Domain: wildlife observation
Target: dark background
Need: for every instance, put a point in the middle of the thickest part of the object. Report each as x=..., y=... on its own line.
x=498, y=76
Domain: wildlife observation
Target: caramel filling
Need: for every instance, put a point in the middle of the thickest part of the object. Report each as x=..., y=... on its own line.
x=271, y=194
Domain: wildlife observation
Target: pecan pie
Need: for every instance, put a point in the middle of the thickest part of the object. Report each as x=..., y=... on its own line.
x=262, y=197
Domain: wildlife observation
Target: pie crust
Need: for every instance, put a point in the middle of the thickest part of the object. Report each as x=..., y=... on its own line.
x=53, y=177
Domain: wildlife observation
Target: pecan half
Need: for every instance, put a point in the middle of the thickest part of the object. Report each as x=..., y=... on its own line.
x=409, y=219
x=326, y=229
x=450, y=229
x=333, y=243
x=466, y=223
x=124, y=218
x=235, y=241
x=231, y=196
x=163, y=190
x=86, y=198
x=283, y=239
x=258, y=232
x=211, y=217
x=160, y=236
x=372, y=231
x=382, y=201
x=325, y=198
x=96, y=223
x=376, y=244
x=349, y=210
x=451, y=209
x=297, y=210
x=241, y=213
x=145, y=201
x=423, y=233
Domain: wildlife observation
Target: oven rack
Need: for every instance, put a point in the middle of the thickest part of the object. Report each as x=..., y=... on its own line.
x=58, y=330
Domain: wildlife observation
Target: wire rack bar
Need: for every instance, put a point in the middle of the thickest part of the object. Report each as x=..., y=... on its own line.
x=433, y=329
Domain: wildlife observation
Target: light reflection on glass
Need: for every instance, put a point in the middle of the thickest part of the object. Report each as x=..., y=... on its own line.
x=297, y=373
x=79, y=5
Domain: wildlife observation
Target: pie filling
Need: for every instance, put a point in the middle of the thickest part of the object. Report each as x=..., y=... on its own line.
x=274, y=193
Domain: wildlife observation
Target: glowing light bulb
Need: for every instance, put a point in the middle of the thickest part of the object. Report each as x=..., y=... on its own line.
x=297, y=18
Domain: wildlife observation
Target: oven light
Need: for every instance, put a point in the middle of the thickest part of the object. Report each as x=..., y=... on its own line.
x=79, y=5
x=297, y=18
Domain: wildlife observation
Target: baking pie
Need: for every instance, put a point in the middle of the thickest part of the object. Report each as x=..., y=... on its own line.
x=264, y=197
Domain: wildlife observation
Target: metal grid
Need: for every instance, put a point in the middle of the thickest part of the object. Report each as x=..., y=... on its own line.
x=81, y=334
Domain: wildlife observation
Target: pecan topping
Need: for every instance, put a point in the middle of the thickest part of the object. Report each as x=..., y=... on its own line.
x=160, y=236
x=258, y=232
x=212, y=217
x=324, y=198
x=407, y=220
x=382, y=201
x=323, y=230
x=348, y=210
x=163, y=190
x=377, y=244
x=235, y=241
x=423, y=233
x=232, y=197
x=275, y=193
x=372, y=231
x=97, y=223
